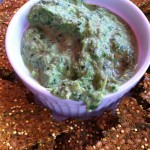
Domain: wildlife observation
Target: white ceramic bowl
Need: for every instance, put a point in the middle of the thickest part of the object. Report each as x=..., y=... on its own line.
x=69, y=108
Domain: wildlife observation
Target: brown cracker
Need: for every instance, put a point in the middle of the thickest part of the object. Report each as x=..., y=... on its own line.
x=132, y=131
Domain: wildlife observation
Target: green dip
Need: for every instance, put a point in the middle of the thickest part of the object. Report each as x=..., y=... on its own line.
x=78, y=51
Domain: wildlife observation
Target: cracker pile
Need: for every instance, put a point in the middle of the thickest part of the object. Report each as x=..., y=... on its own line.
x=25, y=125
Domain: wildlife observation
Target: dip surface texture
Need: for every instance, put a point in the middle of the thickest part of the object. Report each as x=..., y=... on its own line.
x=78, y=51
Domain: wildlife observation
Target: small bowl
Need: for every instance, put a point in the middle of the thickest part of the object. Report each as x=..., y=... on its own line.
x=69, y=108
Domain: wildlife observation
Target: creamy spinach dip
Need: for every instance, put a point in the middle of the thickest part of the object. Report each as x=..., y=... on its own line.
x=78, y=51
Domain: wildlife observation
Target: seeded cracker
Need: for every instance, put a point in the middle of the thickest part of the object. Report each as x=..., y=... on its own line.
x=7, y=10
x=84, y=132
x=25, y=125
x=146, y=84
x=143, y=5
x=132, y=131
x=11, y=94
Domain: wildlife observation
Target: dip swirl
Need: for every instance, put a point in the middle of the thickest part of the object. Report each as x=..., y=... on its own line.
x=78, y=51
